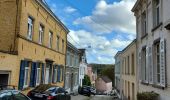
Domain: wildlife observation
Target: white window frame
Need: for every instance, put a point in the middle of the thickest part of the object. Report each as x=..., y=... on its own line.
x=38, y=79
x=55, y=75
x=50, y=39
x=157, y=53
x=62, y=45
x=30, y=28
x=47, y=75
x=26, y=77
x=57, y=43
x=41, y=34
x=156, y=15
x=144, y=24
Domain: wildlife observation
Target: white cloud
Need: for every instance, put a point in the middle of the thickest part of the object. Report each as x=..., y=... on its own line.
x=101, y=47
x=110, y=17
x=69, y=9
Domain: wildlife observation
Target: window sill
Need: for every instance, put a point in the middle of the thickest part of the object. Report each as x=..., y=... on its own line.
x=153, y=85
x=156, y=27
x=144, y=83
x=158, y=86
x=144, y=36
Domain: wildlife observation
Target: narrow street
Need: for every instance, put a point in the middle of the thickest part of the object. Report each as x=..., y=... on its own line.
x=97, y=97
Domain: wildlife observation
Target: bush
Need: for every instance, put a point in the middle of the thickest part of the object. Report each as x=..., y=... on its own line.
x=86, y=80
x=147, y=96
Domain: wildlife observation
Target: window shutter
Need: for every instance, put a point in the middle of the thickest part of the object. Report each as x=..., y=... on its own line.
x=35, y=77
x=21, y=76
x=150, y=66
x=147, y=66
x=33, y=74
x=162, y=63
x=42, y=74
x=58, y=74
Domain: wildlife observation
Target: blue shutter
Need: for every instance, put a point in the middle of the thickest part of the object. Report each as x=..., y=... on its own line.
x=33, y=74
x=42, y=74
x=21, y=76
x=63, y=73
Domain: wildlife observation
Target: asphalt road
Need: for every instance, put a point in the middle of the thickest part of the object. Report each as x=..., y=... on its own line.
x=96, y=97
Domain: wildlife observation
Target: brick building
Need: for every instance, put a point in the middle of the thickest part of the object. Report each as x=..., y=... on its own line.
x=32, y=44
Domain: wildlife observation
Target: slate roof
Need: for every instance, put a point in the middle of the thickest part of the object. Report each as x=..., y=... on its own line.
x=106, y=79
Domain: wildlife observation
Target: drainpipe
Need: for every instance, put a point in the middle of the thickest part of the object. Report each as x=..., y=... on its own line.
x=16, y=24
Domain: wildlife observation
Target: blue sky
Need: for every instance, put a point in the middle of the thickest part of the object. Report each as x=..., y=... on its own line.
x=106, y=25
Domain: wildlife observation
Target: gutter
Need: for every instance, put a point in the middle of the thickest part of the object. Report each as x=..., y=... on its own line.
x=136, y=5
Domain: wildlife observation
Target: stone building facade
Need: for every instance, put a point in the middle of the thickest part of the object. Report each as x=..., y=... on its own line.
x=153, y=38
x=72, y=69
x=126, y=62
x=32, y=44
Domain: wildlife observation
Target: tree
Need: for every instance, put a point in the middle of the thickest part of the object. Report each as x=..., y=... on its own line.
x=109, y=72
x=86, y=80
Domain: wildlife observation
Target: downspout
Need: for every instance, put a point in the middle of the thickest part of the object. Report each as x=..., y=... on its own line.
x=15, y=36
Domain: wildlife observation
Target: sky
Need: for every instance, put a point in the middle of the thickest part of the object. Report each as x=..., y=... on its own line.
x=102, y=27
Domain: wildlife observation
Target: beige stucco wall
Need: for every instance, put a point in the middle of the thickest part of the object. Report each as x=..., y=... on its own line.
x=11, y=64
x=131, y=78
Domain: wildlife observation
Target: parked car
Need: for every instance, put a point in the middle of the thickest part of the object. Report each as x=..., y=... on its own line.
x=88, y=90
x=8, y=93
x=48, y=92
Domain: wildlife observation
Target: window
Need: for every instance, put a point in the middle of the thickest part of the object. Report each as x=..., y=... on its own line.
x=47, y=75
x=38, y=79
x=63, y=46
x=133, y=64
x=156, y=12
x=30, y=28
x=58, y=43
x=68, y=59
x=26, y=74
x=157, y=60
x=144, y=24
x=128, y=66
x=55, y=74
x=143, y=64
x=41, y=33
x=67, y=81
x=50, y=39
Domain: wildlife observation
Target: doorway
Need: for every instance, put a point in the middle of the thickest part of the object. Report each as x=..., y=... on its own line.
x=4, y=77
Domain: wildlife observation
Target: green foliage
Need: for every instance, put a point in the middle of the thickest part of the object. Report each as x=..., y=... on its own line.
x=147, y=96
x=86, y=80
x=109, y=72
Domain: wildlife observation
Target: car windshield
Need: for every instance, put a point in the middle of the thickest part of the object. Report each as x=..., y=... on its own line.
x=52, y=89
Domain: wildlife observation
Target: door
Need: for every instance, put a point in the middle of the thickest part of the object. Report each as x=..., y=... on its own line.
x=4, y=77
x=47, y=76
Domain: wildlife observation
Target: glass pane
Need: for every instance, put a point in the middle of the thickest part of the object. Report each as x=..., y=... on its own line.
x=6, y=96
x=19, y=96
